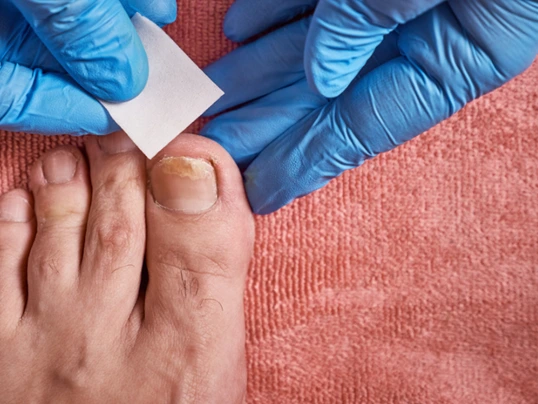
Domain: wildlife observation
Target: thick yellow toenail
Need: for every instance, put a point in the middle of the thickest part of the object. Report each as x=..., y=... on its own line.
x=14, y=208
x=115, y=143
x=184, y=184
x=59, y=167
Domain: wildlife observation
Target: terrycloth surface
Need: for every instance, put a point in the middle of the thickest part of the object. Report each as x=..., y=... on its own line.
x=411, y=280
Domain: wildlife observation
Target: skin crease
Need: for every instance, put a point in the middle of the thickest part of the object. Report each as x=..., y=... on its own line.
x=75, y=326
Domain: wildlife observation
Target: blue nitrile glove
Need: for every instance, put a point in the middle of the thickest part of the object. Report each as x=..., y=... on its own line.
x=290, y=140
x=51, y=51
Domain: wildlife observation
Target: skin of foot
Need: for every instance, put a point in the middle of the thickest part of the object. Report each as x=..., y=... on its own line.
x=122, y=279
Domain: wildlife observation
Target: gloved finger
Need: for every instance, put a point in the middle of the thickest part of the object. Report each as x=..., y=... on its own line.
x=507, y=30
x=247, y=18
x=259, y=68
x=344, y=34
x=161, y=12
x=443, y=69
x=94, y=41
x=246, y=131
x=19, y=44
x=271, y=63
x=48, y=103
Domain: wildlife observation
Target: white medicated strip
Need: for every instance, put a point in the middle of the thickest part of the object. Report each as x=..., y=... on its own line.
x=176, y=94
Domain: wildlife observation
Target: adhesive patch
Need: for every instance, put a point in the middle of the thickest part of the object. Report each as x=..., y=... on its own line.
x=176, y=94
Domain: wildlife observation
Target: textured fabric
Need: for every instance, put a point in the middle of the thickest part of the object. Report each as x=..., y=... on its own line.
x=413, y=279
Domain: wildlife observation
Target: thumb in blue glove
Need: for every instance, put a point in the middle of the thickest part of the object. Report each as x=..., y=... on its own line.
x=417, y=77
x=50, y=51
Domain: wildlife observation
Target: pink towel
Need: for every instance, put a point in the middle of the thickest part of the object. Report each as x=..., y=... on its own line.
x=413, y=279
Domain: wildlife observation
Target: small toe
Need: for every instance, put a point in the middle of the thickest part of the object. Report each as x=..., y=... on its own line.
x=17, y=231
x=61, y=188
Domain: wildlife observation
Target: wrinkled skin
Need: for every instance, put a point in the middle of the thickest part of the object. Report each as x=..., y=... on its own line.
x=78, y=322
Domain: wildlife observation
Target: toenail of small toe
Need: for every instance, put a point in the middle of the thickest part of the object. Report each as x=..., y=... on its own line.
x=184, y=184
x=116, y=143
x=14, y=208
x=59, y=167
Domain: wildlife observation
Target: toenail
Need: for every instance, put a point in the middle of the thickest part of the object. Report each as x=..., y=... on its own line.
x=184, y=184
x=14, y=208
x=116, y=143
x=59, y=167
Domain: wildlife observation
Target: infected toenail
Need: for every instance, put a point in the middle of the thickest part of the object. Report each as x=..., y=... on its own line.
x=184, y=184
x=116, y=143
x=14, y=208
x=59, y=167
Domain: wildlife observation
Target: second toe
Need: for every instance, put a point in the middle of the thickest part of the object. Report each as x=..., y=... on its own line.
x=61, y=188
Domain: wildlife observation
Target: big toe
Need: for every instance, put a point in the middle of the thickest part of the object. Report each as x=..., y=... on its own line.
x=199, y=243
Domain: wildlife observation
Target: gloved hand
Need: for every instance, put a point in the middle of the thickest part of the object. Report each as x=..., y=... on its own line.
x=396, y=67
x=51, y=51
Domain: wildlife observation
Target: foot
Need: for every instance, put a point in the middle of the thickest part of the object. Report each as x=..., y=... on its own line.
x=81, y=321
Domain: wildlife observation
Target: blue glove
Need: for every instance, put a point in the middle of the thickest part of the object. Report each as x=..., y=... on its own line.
x=396, y=68
x=56, y=55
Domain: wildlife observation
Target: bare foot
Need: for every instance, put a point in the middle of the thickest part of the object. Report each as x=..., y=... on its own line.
x=75, y=324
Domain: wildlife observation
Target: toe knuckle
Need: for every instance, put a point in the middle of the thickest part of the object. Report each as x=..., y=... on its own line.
x=48, y=267
x=114, y=233
x=124, y=177
x=112, y=227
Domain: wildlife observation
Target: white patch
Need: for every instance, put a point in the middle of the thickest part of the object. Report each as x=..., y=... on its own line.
x=176, y=94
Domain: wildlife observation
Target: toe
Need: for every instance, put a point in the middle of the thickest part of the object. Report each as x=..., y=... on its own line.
x=200, y=235
x=115, y=241
x=60, y=185
x=17, y=230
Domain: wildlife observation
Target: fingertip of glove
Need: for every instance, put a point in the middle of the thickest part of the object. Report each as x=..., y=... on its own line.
x=160, y=12
x=324, y=86
x=259, y=202
x=231, y=28
x=263, y=211
x=260, y=206
x=256, y=207
x=165, y=14
x=328, y=78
